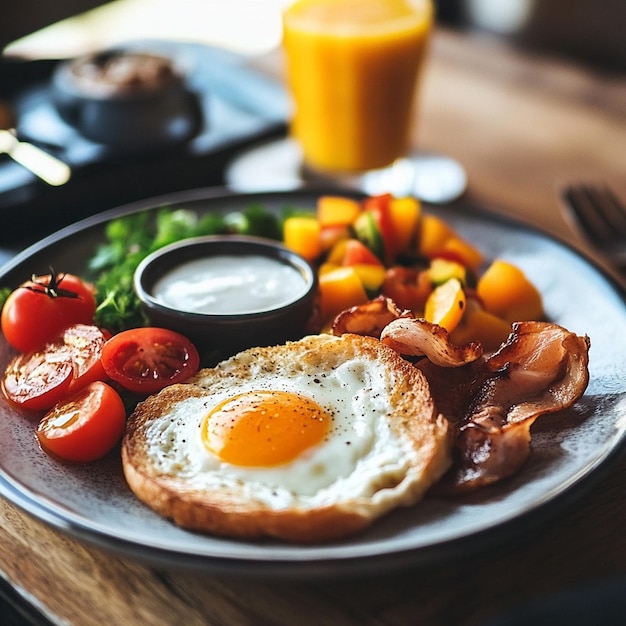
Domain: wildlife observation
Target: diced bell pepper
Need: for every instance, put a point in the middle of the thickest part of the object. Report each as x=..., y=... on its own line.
x=505, y=291
x=480, y=325
x=339, y=289
x=379, y=208
x=371, y=276
x=446, y=304
x=337, y=253
x=302, y=235
x=433, y=234
x=332, y=235
x=405, y=216
x=337, y=210
x=368, y=232
x=462, y=251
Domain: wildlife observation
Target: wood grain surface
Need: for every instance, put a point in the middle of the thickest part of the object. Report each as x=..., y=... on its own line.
x=522, y=126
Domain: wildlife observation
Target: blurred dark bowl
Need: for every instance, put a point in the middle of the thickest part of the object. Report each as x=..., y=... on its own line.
x=141, y=103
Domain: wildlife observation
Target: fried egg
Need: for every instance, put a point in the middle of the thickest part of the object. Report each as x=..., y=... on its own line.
x=307, y=441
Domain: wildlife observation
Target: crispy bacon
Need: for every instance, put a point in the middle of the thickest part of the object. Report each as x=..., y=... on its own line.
x=406, y=334
x=541, y=368
x=368, y=319
x=492, y=401
x=417, y=337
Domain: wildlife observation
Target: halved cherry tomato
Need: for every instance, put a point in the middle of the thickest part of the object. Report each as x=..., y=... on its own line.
x=408, y=287
x=357, y=253
x=83, y=345
x=38, y=310
x=35, y=381
x=144, y=360
x=39, y=379
x=85, y=426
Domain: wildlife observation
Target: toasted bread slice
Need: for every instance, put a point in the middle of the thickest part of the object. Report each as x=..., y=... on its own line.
x=386, y=445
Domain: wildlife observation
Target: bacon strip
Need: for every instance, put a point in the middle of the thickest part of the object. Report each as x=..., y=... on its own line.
x=492, y=402
x=406, y=334
x=542, y=368
x=417, y=337
x=368, y=319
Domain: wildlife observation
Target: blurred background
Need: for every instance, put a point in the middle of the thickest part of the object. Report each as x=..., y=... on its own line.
x=590, y=31
x=227, y=43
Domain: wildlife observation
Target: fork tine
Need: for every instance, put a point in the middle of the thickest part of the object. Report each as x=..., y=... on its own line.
x=614, y=211
x=580, y=201
x=599, y=216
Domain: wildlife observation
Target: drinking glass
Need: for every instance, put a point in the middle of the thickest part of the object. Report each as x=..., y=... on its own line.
x=353, y=71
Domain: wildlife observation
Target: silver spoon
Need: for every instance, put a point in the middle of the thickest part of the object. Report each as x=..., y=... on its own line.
x=45, y=166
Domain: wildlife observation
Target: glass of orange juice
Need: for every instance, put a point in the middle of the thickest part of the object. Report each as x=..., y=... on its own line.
x=353, y=69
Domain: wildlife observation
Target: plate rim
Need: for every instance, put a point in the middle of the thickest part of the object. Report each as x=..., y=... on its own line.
x=288, y=567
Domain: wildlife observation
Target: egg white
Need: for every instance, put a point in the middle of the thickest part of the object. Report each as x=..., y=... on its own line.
x=360, y=453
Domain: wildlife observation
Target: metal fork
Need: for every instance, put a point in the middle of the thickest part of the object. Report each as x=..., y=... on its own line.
x=600, y=217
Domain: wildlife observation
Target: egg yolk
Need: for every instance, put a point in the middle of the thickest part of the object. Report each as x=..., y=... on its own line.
x=264, y=428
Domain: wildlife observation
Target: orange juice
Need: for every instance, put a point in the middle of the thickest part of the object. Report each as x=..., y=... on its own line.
x=352, y=69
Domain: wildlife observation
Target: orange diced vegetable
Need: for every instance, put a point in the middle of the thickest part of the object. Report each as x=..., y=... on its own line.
x=405, y=215
x=337, y=253
x=433, y=234
x=326, y=267
x=466, y=253
x=438, y=239
x=337, y=210
x=340, y=289
x=302, y=235
x=480, y=325
x=505, y=291
x=446, y=304
x=371, y=276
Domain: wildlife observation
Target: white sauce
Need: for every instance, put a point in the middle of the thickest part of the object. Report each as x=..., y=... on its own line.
x=227, y=285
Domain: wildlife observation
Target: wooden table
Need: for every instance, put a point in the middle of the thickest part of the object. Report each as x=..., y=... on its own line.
x=522, y=126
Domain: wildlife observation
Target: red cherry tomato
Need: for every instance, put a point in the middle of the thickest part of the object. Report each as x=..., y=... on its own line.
x=407, y=287
x=82, y=345
x=357, y=253
x=36, y=382
x=37, y=311
x=40, y=379
x=85, y=426
x=144, y=360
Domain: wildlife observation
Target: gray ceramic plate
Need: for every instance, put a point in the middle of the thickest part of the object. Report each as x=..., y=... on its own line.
x=93, y=503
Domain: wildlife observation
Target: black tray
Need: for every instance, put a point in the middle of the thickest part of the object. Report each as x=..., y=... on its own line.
x=240, y=106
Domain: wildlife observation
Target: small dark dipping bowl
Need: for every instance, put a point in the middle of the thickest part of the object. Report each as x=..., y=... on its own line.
x=220, y=335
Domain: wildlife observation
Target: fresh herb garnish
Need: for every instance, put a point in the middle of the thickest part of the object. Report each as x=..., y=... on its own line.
x=131, y=238
x=4, y=294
